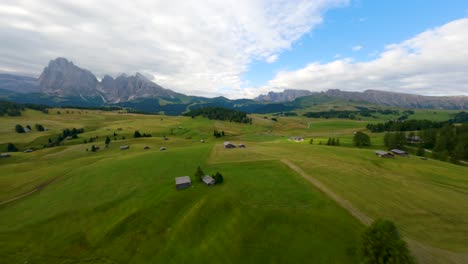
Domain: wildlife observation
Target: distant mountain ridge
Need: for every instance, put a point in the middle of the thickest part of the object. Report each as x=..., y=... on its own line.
x=62, y=78
x=374, y=97
x=62, y=83
x=287, y=95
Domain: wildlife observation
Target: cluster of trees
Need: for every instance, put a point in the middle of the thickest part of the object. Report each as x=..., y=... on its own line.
x=381, y=243
x=333, y=142
x=137, y=134
x=351, y=114
x=406, y=125
x=73, y=133
x=460, y=118
x=10, y=109
x=361, y=139
x=220, y=113
x=218, y=134
x=449, y=143
x=396, y=140
x=20, y=129
x=14, y=109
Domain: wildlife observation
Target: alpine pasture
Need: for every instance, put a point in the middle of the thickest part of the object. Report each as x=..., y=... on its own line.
x=65, y=204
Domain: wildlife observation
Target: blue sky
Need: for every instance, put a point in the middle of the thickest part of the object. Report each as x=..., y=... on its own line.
x=369, y=24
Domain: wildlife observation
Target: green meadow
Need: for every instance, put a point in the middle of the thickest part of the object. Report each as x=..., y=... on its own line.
x=121, y=206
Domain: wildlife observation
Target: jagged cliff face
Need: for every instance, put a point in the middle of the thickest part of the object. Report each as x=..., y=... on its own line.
x=62, y=78
x=287, y=95
x=126, y=88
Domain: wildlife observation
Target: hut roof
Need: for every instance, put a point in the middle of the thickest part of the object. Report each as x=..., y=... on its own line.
x=182, y=180
x=207, y=179
x=381, y=152
x=399, y=151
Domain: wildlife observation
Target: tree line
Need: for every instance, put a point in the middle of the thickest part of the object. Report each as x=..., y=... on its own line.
x=220, y=113
x=416, y=125
x=352, y=114
x=448, y=143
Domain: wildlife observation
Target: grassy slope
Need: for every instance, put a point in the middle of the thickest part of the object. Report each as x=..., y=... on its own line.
x=427, y=199
x=121, y=206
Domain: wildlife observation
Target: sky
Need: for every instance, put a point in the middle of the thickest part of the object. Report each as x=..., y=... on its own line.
x=243, y=48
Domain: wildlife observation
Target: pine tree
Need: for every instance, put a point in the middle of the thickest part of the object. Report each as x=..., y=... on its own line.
x=420, y=152
x=11, y=147
x=108, y=140
x=199, y=174
x=218, y=178
x=19, y=129
x=136, y=134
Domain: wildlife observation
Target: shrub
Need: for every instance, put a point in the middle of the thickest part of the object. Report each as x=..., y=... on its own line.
x=199, y=174
x=19, y=128
x=361, y=139
x=11, y=147
x=218, y=177
x=381, y=244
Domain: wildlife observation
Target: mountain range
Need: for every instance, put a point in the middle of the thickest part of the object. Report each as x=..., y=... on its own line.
x=62, y=83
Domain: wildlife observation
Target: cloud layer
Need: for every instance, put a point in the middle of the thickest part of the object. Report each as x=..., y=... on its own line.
x=195, y=47
x=434, y=62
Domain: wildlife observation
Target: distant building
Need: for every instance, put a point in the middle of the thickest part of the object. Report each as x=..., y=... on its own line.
x=228, y=144
x=5, y=155
x=241, y=146
x=413, y=139
x=26, y=130
x=297, y=139
x=383, y=154
x=162, y=148
x=208, y=180
x=183, y=182
x=28, y=150
x=124, y=147
x=399, y=152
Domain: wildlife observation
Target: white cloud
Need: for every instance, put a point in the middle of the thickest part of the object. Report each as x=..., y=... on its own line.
x=434, y=62
x=272, y=58
x=195, y=47
x=357, y=48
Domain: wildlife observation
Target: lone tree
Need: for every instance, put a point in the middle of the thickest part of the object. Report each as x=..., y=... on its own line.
x=137, y=134
x=199, y=174
x=361, y=139
x=40, y=127
x=421, y=152
x=381, y=244
x=311, y=141
x=11, y=147
x=19, y=128
x=93, y=148
x=218, y=177
x=108, y=140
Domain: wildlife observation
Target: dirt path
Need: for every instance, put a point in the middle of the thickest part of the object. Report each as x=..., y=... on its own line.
x=423, y=253
x=37, y=188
